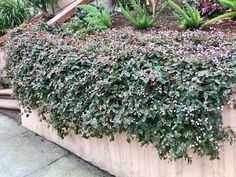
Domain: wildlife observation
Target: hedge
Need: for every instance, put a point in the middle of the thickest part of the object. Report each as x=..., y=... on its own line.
x=165, y=88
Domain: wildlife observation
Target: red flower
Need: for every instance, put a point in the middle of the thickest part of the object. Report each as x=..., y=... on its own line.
x=213, y=6
x=203, y=2
x=205, y=9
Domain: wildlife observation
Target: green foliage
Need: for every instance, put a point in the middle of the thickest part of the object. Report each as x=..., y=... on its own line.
x=141, y=19
x=229, y=3
x=78, y=23
x=77, y=27
x=97, y=19
x=1, y=27
x=89, y=19
x=189, y=19
x=165, y=88
x=226, y=3
x=14, y=12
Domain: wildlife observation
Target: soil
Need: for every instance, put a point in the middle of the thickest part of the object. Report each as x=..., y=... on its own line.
x=168, y=22
x=226, y=25
x=40, y=18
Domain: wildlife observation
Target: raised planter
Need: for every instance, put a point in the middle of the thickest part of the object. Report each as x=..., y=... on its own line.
x=122, y=159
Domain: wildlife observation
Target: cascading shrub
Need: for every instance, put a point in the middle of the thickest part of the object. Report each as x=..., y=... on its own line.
x=165, y=88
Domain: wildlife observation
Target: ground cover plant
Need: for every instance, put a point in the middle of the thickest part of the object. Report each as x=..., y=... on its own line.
x=167, y=88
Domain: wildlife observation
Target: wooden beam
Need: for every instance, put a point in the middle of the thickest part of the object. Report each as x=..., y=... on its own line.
x=67, y=13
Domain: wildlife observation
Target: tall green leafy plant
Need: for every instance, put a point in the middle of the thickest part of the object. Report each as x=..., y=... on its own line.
x=14, y=12
x=226, y=3
x=141, y=18
x=97, y=19
x=189, y=18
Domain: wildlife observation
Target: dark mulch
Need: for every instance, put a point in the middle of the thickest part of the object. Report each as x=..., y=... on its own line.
x=168, y=22
x=226, y=25
x=40, y=18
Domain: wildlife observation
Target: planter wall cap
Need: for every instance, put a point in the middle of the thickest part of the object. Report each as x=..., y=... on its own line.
x=8, y=92
x=9, y=104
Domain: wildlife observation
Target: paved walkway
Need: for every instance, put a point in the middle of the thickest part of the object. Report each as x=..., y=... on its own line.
x=24, y=154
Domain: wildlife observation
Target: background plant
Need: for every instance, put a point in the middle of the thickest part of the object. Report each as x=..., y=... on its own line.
x=89, y=19
x=150, y=5
x=14, y=12
x=209, y=8
x=188, y=19
x=78, y=23
x=167, y=89
x=227, y=3
x=141, y=17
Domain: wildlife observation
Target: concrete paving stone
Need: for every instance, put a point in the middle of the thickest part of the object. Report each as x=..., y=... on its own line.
x=9, y=128
x=70, y=166
x=25, y=153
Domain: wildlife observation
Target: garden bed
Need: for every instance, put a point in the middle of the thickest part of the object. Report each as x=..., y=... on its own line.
x=168, y=22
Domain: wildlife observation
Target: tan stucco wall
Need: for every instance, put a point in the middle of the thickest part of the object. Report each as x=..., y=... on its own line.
x=130, y=160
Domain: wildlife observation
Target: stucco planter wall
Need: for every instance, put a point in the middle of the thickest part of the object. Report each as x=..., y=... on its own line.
x=130, y=160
